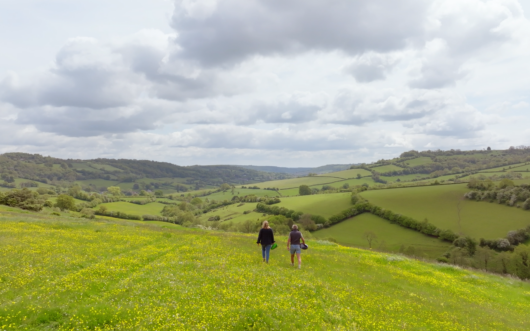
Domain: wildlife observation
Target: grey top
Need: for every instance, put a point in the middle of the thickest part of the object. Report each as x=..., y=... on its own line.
x=295, y=237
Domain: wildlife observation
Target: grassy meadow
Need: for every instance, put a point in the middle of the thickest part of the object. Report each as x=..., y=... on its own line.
x=346, y=174
x=390, y=237
x=418, y=161
x=296, y=182
x=74, y=274
x=320, y=204
x=386, y=168
x=445, y=207
x=235, y=212
x=153, y=208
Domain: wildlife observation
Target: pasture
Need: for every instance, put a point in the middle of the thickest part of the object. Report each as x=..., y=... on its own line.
x=324, y=205
x=235, y=212
x=296, y=182
x=390, y=237
x=70, y=274
x=386, y=168
x=445, y=207
x=346, y=174
x=241, y=192
x=153, y=208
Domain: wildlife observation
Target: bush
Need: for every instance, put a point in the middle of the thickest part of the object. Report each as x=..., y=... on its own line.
x=65, y=202
x=24, y=199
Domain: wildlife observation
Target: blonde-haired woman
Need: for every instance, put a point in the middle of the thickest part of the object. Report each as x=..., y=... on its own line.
x=266, y=239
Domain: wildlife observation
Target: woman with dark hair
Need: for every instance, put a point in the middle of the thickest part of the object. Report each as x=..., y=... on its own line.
x=266, y=239
x=293, y=245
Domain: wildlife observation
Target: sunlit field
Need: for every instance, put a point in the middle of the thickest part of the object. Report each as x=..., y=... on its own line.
x=69, y=274
x=445, y=207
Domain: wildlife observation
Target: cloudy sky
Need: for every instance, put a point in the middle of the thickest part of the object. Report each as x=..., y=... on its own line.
x=264, y=82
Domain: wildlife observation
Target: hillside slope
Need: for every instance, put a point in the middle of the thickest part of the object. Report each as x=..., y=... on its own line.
x=79, y=274
x=48, y=169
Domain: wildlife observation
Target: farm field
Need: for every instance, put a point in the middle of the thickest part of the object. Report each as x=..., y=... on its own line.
x=241, y=192
x=319, y=204
x=524, y=168
x=153, y=208
x=69, y=274
x=504, y=168
x=235, y=212
x=346, y=174
x=440, y=204
x=390, y=237
x=404, y=178
x=296, y=182
x=18, y=181
x=387, y=168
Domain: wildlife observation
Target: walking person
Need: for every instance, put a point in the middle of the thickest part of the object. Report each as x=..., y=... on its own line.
x=293, y=245
x=266, y=239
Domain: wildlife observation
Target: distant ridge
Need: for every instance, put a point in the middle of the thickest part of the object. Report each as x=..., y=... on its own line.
x=301, y=171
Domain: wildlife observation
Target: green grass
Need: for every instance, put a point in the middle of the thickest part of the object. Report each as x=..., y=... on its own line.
x=68, y=274
x=525, y=168
x=390, y=237
x=387, y=168
x=234, y=212
x=153, y=208
x=319, y=204
x=419, y=161
x=220, y=196
x=404, y=178
x=504, y=168
x=440, y=204
x=296, y=182
x=85, y=167
x=346, y=174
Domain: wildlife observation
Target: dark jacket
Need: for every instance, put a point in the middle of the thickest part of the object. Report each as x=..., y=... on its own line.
x=266, y=237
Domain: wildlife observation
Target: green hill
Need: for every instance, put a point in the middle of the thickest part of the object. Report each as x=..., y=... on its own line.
x=148, y=175
x=65, y=273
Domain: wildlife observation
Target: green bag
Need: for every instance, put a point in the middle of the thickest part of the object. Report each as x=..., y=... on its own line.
x=274, y=246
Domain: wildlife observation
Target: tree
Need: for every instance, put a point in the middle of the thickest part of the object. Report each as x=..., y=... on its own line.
x=159, y=193
x=224, y=187
x=65, y=202
x=114, y=190
x=484, y=254
x=370, y=237
x=488, y=149
x=358, y=176
x=346, y=186
x=304, y=190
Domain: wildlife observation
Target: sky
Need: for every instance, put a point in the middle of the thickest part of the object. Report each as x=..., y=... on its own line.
x=296, y=83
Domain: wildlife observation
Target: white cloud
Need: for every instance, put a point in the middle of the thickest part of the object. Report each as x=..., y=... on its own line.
x=335, y=82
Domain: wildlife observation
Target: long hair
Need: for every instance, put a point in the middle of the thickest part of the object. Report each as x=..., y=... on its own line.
x=265, y=225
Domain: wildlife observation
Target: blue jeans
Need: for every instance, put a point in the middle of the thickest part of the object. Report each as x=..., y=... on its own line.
x=266, y=251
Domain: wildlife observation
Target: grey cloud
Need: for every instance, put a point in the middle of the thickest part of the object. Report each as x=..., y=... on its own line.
x=232, y=137
x=84, y=75
x=237, y=29
x=463, y=32
x=455, y=121
x=359, y=108
x=370, y=67
x=85, y=122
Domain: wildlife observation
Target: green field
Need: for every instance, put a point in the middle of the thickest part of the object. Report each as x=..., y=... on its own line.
x=419, y=161
x=296, y=182
x=234, y=212
x=346, y=174
x=241, y=192
x=404, y=178
x=153, y=208
x=386, y=168
x=319, y=204
x=105, y=167
x=505, y=168
x=440, y=204
x=70, y=274
x=525, y=168
x=390, y=237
